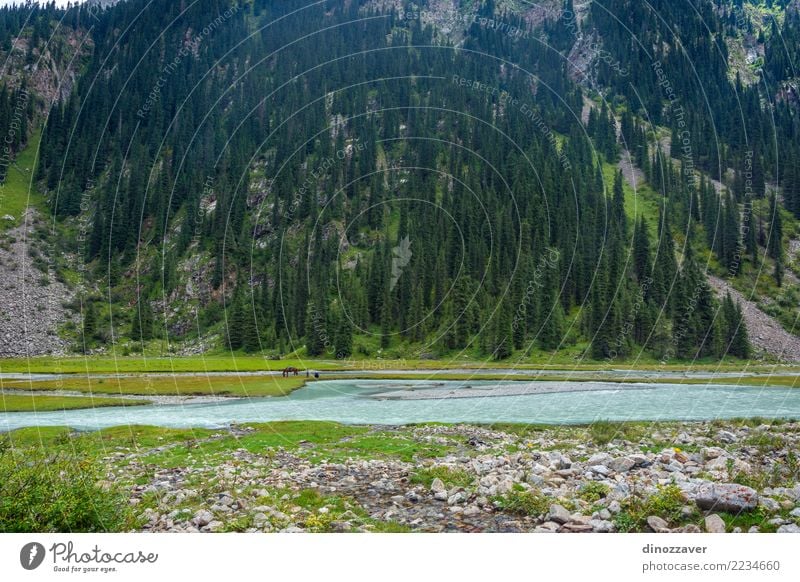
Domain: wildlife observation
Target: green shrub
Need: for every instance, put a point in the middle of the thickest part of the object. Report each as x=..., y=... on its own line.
x=593, y=491
x=666, y=503
x=450, y=477
x=56, y=493
x=523, y=502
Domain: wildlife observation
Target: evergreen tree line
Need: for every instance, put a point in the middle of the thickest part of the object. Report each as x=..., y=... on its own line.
x=324, y=164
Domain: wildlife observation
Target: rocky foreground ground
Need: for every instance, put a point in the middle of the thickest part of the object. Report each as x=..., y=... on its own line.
x=680, y=477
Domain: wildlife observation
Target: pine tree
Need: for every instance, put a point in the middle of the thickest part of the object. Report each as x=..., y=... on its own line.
x=235, y=322
x=502, y=338
x=551, y=334
x=775, y=240
x=735, y=339
x=641, y=252
x=343, y=335
x=89, y=323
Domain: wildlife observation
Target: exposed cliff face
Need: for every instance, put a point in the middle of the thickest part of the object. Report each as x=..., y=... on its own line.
x=50, y=69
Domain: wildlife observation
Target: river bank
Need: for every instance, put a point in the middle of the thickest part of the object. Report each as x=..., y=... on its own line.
x=325, y=477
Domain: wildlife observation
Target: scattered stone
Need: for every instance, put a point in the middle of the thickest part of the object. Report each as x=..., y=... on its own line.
x=412, y=496
x=576, y=528
x=202, y=518
x=456, y=498
x=715, y=524
x=712, y=453
x=558, y=514
x=769, y=504
x=264, y=488
x=621, y=464
x=789, y=528
x=602, y=526
x=729, y=497
x=658, y=524
x=604, y=514
x=598, y=459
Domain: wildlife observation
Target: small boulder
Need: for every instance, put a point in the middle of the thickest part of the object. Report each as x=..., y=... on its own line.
x=558, y=514
x=729, y=497
x=456, y=498
x=712, y=453
x=689, y=528
x=598, y=459
x=412, y=496
x=621, y=464
x=202, y=518
x=602, y=526
x=769, y=504
x=658, y=524
x=574, y=527
x=548, y=527
x=715, y=524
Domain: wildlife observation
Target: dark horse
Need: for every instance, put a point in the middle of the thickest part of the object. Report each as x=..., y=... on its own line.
x=289, y=371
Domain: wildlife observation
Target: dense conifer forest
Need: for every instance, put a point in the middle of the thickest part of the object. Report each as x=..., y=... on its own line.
x=388, y=178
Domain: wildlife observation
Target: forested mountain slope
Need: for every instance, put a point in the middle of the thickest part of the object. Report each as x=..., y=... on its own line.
x=392, y=179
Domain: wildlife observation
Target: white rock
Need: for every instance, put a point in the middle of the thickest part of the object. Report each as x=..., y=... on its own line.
x=715, y=524
x=621, y=464
x=202, y=518
x=602, y=526
x=729, y=497
x=598, y=459
x=657, y=524
x=558, y=514
x=769, y=504
x=456, y=498
x=712, y=453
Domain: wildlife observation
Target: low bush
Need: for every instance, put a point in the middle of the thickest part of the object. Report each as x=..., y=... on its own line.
x=523, y=502
x=41, y=492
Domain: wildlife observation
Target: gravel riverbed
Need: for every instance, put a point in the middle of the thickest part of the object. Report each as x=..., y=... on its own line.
x=686, y=477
